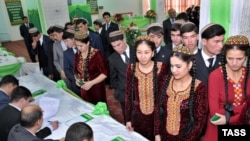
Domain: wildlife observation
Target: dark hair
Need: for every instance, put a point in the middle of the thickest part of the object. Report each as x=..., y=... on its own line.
x=186, y=58
x=155, y=69
x=96, y=22
x=19, y=93
x=24, y=17
x=66, y=24
x=182, y=16
x=189, y=27
x=29, y=118
x=176, y=27
x=116, y=38
x=212, y=31
x=67, y=35
x=226, y=48
x=105, y=13
x=57, y=29
x=49, y=31
x=9, y=79
x=78, y=132
x=155, y=30
x=83, y=21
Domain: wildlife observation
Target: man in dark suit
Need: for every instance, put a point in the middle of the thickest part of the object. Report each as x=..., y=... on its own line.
x=10, y=115
x=176, y=39
x=118, y=65
x=68, y=59
x=212, y=37
x=167, y=25
x=31, y=121
x=40, y=44
x=108, y=27
x=155, y=31
x=95, y=39
x=24, y=31
x=7, y=84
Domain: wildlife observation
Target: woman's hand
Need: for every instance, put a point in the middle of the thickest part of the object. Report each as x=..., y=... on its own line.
x=157, y=138
x=220, y=121
x=129, y=126
x=87, y=85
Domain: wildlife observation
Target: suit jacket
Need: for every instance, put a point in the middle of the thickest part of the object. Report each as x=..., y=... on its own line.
x=108, y=49
x=118, y=70
x=58, y=56
x=11, y=116
x=19, y=133
x=170, y=46
x=202, y=72
x=4, y=99
x=96, y=41
x=167, y=30
x=42, y=51
x=52, y=69
x=24, y=31
x=164, y=56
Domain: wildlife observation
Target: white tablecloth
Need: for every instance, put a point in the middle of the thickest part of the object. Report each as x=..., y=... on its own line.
x=105, y=127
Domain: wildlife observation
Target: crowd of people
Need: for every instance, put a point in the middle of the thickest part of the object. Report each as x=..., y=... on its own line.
x=167, y=92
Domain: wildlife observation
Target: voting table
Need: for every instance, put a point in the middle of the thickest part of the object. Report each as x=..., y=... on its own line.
x=67, y=108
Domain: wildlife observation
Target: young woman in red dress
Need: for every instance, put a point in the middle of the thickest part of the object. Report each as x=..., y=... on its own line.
x=90, y=69
x=142, y=88
x=228, y=94
x=183, y=100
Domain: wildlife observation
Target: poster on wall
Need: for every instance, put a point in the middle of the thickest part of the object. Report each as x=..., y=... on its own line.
x=55, y=12
x=15, y=11
x=93, y=6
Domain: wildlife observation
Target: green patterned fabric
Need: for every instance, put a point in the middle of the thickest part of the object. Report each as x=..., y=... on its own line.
x=10, y=69
x=80, y=11
x=34, y=18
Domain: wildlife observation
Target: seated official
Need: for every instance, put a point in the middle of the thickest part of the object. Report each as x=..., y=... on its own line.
x=7, y=84
x=31, y=122
x=11, y=115
x=79, y=131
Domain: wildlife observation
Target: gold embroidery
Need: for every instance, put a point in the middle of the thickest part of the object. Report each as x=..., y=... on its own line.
x=173, y=108
x=146, y=90
x=82, y=64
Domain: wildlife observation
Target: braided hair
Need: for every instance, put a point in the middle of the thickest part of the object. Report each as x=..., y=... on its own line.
x=184, y=54
x=149, y=42
x=237, y=42
x=83, y=37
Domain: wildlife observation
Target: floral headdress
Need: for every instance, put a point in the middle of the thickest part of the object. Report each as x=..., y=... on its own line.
x=144, y=37
x=183, y=50
x=238, y=40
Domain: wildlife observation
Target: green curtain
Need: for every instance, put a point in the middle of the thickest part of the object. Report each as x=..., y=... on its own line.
x=80, y=11
x=34, y=18
x=220, y=12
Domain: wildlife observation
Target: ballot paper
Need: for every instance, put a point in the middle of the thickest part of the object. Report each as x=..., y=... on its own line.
x=49, y=106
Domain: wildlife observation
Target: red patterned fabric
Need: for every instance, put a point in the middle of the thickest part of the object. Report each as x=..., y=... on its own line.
x=200, y=110
x=217, y=100
x=143, y=123
x=97, y=65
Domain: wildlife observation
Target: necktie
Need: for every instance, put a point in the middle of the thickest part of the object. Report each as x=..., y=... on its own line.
x=210, y=67
x=107, y=26
x=126, y=57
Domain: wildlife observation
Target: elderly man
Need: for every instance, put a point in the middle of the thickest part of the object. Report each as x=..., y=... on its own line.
x=167, y=25
x=31, y=122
